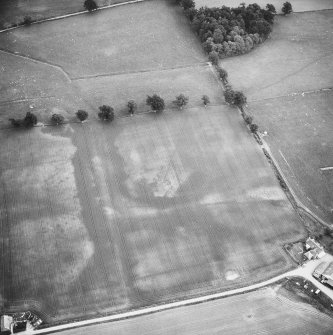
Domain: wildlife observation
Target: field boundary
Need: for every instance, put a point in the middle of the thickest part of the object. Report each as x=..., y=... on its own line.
x=37, y=61
x=297, y=202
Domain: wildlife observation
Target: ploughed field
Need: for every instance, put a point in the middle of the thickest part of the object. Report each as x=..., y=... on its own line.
x=288, y=83
x=104, y=217
x=98, y=218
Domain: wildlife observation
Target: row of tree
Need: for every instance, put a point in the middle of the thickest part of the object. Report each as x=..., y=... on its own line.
x=229, y=31
x=106, y=113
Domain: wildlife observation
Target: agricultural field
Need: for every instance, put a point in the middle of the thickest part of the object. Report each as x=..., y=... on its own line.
x=14, y=11
x=298, y=5
x=35, y=86
x=112, y=41
x=100, y=217
x=284, y=82
x=298, y=57
x=259, y=312
x=301, y=138
x=193, y=81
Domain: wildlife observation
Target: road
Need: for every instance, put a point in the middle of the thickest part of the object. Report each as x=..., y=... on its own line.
x=256, y=312
x=304, y=271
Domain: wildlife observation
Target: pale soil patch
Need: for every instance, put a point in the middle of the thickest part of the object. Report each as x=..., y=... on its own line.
x=231, y=275
x=50, y=245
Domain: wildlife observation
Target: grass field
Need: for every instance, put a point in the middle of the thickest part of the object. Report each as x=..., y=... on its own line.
x=193, y=82
x=142, y=211
x=298, y=58
x=13, y=11
x=122, y=39
x=28, y=85
x=271, y=311
x=300, y=134
x=298, y=5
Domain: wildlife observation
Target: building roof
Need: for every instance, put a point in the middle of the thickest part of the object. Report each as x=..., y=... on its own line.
x=330, y=282
x=312, y=244
x=309, y=254
x=6, y=321
x=321, y=267
x=328, y=273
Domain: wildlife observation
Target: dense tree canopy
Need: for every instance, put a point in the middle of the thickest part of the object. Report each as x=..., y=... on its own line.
x=81, y=115
x=106, y=113
x=156, y=103
x=30, y=119
x=57, y=118
x=90, y=5
x=287, y=8
x=181, y=100
x=229, y=31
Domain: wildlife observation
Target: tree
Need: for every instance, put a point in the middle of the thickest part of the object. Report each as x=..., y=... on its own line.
x=271, y=8
x=90, y=5
x=156, y=103
x=205, y=99
x=57, y=118
x=27, y=20
x=287, y=8
x=254, y=127
x=81, y=115
x=187, y=4
x=181, y=100
x=30, y=119
x=222, y=73
x=248, y=119
x=131, y=106
x=239, y=99
x=229, y=95
x=16, y=122
x=106, y=113
x=213, y=57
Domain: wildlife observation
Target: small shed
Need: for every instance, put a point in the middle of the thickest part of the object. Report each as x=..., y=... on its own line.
x=319, y=270
x=328, y=273
x=311, y=243
x=6, y=323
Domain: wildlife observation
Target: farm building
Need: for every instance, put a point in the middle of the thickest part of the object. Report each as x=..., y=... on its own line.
x=6, y=323
x=314, y=249
x=328, y=275
x=319, y=270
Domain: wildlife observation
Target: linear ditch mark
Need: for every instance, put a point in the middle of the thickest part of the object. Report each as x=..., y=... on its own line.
x=16, y=101
x=37, y=61
x=319, y=90
x=119, y=73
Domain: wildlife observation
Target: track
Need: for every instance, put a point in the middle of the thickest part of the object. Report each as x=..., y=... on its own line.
x=304, y=271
